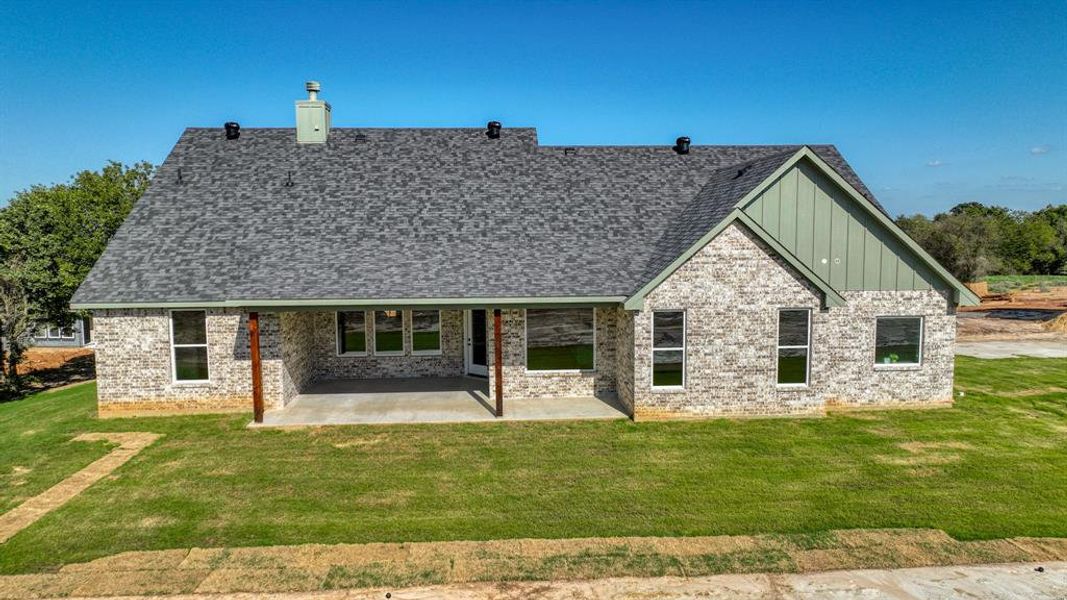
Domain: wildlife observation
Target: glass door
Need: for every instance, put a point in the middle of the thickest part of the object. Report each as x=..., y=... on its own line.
x=476, y=351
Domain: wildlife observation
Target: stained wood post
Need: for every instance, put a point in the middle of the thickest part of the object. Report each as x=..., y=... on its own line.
x=257, y=367
x=498, y=360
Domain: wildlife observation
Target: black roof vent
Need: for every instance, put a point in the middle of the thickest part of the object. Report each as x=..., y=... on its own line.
x=233, y=130
x=681, y=145
x=492, y=130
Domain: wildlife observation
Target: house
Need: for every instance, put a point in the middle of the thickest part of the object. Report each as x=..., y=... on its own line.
x=75, y=335
x=678, y=281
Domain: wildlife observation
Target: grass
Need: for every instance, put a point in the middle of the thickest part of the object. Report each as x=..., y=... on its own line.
x=992, y=466
x=1002, y=284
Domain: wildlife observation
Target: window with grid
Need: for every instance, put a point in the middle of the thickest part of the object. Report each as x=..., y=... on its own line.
x=188, y=336
x=668, y=349
x=794, y=346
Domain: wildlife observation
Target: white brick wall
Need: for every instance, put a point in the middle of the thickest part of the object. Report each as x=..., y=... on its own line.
x=732, y=290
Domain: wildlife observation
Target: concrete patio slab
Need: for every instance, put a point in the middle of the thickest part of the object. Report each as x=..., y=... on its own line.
x=427, y=400
x=1013, y=348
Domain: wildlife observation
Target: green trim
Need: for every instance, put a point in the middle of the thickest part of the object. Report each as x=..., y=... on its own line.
x=333, y=303
x=962, y=295
x=830, y=296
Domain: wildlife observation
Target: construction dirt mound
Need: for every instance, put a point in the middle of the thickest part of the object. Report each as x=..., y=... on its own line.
x=1057, y=325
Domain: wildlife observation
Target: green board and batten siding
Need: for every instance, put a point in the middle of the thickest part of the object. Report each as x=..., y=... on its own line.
x=820, y=225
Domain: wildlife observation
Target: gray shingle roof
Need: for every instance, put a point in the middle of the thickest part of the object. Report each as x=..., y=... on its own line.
x=418, y=213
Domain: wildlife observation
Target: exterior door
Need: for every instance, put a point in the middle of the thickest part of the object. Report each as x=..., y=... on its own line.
x=476, y=351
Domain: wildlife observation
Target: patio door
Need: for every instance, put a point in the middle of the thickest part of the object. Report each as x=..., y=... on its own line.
x=475, y=353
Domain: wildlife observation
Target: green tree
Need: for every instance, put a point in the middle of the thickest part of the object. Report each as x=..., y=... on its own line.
x=50, y=236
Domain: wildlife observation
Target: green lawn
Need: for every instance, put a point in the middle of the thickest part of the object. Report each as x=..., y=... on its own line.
x=993, y=466
x=1000, y=284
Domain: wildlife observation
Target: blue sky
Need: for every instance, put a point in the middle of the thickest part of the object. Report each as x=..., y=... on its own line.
x=933, y=103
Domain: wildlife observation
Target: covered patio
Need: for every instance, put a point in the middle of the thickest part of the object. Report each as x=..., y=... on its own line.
x=426, y=400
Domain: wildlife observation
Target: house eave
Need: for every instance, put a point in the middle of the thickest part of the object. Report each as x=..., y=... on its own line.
x=365, y=303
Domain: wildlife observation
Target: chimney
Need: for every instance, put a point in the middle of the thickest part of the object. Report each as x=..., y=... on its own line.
x=681, y=145
x=312, y=117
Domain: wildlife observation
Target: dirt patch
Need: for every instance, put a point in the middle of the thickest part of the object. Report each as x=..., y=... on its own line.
x=1057, y=325
x=926, y=454
x=46, y=368
x=313, y=567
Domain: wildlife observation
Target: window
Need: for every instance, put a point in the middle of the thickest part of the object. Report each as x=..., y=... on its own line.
x=794, y=345
x=352, y=333
x=425, y=332
x=188, y=340
x=55, y=333
x=388, y=332
x=560, y=339
x=668, y=349
x=898, y=341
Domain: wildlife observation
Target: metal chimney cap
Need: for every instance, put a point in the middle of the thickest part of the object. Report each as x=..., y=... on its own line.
x=681, y=145
x=492, y=129
x=233, y=130
x=313, y=86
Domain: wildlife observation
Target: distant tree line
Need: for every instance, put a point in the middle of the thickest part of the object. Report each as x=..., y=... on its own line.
x=973, y=240
x=50, y=236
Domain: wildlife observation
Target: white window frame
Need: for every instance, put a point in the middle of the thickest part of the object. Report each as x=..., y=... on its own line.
x=174, y=355
x=778, y=348
x=652, y=346
x=899, y=366
x=337, y=334
x=526, y=346
x=411, y=334
x=374, y=332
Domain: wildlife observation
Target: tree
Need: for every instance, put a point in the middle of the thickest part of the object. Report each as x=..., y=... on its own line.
x=50, y=236
x=973, y=240
x=15, y=326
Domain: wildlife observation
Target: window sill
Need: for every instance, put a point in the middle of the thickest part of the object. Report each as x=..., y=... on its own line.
x=898, y=367
x=561, y=373
x=351, y=354
x=426, y=353
x=401, y=353
x=192, y=383
x=792, y=387
x=667, y=389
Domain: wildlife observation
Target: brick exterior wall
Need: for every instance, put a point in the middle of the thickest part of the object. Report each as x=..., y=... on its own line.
x=624, y=358
x=732, y=290
x=520, y=383
x=298, y=366
x=135, y=374
x=852, y=379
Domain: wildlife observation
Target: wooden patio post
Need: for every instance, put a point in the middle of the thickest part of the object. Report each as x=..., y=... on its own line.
x=498, y=360
x=257, y=367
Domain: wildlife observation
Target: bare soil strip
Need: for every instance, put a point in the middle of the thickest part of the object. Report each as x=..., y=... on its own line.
x=311, y=567
x=981, y=582
x=25, y=514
